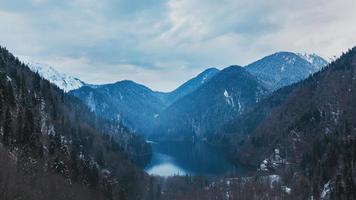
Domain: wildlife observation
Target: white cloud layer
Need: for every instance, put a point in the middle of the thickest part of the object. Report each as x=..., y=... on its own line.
x=162, y=43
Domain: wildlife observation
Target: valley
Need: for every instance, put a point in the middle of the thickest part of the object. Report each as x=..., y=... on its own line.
x=220, y=131
x=177, y=100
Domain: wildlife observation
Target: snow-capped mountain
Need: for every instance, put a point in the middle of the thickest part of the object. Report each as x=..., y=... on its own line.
x=285, y=68
x=317, y=61
x=301, y=125
x=63, y=81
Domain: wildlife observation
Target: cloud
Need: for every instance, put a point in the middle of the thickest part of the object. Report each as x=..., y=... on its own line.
x=162, y=43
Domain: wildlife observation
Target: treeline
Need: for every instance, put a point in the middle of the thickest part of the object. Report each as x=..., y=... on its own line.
x=203, y=188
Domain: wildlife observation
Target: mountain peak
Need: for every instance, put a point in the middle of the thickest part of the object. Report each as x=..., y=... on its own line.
x=314, y=59
x=207, y=74
x=233, y=69
x=210, y=69
x=193, y=84
x=284, y=68
x=125, y=82
x=236, y=67
x=129, y=84
x=61, y=80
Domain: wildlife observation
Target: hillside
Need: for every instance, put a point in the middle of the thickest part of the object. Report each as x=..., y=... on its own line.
x=47, y=133
x=226, y=95
x=126, y=101
x=309, y=127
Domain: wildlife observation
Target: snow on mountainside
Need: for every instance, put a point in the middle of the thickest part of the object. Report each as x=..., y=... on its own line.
x=317, y=61
x=63, y=81
x=285, y=68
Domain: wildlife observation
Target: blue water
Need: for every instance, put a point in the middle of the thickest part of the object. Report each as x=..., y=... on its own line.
x=178, y=158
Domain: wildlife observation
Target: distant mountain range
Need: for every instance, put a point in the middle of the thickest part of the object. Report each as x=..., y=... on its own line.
x=231, y=92
x=135, y=105
x=197, y=107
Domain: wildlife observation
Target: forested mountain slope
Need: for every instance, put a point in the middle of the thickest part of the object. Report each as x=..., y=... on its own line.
x=149, y=112
x=310, y=127
x=135, y=105
x=126, y=101
x=226, y=95
x=45, y=131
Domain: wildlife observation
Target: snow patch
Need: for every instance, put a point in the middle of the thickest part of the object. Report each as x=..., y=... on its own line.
x=90, y=101
x=314, y=59
x=226, y=94
x=229, y=99
x=274, y=180
x=286, y=189
x=272, y=162
x=325, y=194
x=204, y=79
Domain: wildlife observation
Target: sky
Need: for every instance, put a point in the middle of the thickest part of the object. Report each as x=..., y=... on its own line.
x=163, y=43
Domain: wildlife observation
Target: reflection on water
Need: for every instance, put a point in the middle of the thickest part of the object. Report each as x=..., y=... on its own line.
x=173, y=158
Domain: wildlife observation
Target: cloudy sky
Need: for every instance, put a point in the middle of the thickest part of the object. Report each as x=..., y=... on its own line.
x=162, y=43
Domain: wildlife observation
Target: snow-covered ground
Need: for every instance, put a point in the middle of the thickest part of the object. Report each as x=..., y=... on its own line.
x=63, y=81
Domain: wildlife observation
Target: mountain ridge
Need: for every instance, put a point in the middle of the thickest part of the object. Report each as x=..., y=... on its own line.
x=143, y=115
x=284, y=68
x=61, y=80
x=225, y=95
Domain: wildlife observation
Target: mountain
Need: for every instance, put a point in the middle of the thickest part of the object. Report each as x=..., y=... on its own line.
x=305, y=132
x=317, y=61
x=192, y=84
x=137, y=106
x=140, y=108
x=226, y=95
x=53, y=147
x=133, y=104
x=192, y=114
x=63, y=81
x=285, y=68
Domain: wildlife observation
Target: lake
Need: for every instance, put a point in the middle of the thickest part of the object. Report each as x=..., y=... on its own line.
x=181, y=158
